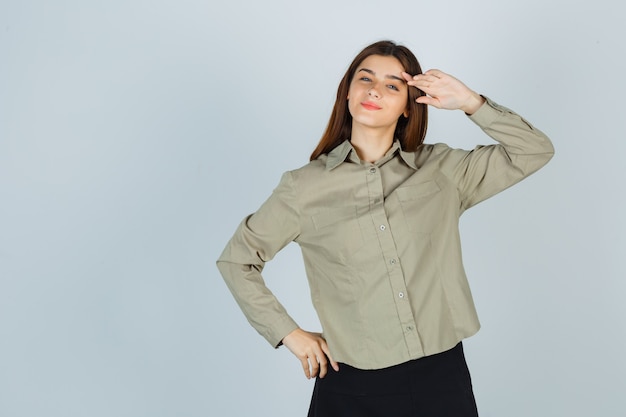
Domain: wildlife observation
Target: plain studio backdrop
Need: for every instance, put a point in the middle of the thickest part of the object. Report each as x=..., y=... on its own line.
x=135, y=135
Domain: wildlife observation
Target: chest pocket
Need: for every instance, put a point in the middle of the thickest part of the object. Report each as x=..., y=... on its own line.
x=421, y=205
x=337, y=232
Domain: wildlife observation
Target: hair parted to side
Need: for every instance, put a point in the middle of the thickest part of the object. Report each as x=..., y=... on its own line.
x=410, y=131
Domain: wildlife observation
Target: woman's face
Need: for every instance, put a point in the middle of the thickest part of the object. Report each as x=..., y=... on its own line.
x=377, y=96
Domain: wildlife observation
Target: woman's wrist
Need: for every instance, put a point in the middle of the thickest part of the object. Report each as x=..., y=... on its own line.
x=474, y=103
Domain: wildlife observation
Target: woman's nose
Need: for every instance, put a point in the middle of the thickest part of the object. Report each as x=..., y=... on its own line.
x=372, y=92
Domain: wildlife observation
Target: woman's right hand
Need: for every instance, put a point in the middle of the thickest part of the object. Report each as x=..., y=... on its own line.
x=444, y=91
x=312, y=350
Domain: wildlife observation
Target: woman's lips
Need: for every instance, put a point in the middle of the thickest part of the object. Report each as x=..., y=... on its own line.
x=370, y=106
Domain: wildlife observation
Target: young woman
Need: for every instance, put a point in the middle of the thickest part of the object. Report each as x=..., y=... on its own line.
x=375, y=213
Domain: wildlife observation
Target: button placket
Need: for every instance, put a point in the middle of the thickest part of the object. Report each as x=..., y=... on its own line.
x=395, y=274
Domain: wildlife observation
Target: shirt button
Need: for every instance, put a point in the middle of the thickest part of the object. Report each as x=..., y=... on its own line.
x=401, y=294
x=409, y=328
x=392, y=262
x=382, y=227
x=372, y=170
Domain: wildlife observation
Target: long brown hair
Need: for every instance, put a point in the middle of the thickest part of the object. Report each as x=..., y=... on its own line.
x=410, y=130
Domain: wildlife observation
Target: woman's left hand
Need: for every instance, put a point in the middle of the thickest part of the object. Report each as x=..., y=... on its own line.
x=444, y=91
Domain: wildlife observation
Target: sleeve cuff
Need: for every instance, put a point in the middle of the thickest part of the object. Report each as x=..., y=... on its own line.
x=489, y=112
x=278, y=332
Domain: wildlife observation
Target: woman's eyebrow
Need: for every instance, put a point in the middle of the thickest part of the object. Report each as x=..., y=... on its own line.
x=390, y=76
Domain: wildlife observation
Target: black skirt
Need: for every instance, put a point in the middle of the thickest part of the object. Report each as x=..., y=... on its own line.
x=433, y=386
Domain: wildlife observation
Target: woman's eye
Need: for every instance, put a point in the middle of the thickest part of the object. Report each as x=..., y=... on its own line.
x=393, y=87
x=365, y=79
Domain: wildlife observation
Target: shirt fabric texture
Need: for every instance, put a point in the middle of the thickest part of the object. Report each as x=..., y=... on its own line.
x=380, y=241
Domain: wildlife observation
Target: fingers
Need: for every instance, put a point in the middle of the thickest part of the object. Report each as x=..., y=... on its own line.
x=429, y=82
x=323, y=365
x=443, y=91
x=435, y=73
x=314, y=363
x=428, y=76
x=312, y=351
x=333, y=363
x=431, y=101
x=305, y=367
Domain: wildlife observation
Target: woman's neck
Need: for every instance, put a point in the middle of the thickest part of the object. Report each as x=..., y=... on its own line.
x=371, y=144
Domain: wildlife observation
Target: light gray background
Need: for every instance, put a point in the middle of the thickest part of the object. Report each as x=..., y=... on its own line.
x=135, y=135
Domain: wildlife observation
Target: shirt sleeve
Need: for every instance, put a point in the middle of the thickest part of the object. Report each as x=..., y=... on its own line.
x=487, y=170
x=257, y=240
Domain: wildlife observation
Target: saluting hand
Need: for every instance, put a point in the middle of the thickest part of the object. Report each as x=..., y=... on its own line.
x=312, y=350
x=444, y=91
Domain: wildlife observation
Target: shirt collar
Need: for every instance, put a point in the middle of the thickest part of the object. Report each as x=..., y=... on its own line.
x=339, y=155
x=408, y=158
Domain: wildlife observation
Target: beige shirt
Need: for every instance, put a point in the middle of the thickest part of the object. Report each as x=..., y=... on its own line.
x=381, y=242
